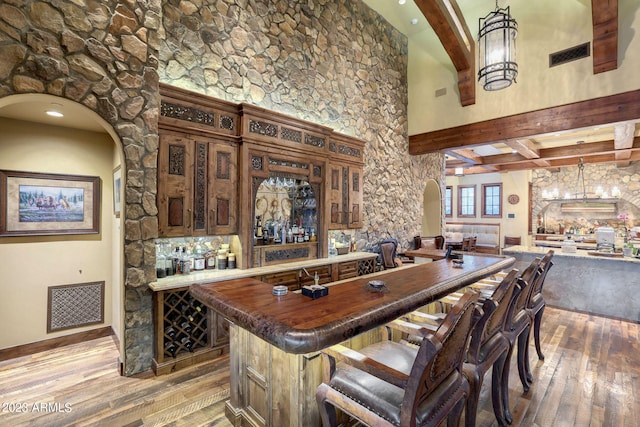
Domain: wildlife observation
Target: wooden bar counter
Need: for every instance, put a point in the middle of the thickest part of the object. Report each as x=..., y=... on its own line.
x=275, y=341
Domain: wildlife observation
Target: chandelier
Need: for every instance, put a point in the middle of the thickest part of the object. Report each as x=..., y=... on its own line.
x=497, y=49
x=580, y=191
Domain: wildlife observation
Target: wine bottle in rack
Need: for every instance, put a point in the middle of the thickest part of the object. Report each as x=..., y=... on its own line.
x=170, y=332
x=171, y=349
x=186, y=313
x=186, y=343
x=186, y=327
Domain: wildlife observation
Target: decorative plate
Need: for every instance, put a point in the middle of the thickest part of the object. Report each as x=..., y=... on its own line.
x=513, y=199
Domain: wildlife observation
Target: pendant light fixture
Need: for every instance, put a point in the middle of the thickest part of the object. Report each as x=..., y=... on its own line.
x=497, y=49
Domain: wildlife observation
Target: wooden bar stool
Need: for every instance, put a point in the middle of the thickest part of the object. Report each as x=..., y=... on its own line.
x=394, y=384
x=535, y=308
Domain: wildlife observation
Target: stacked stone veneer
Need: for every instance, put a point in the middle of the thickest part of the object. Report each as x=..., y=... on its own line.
x=335, y=63
x=608, y=175
x=102, y=54
x=331, y=62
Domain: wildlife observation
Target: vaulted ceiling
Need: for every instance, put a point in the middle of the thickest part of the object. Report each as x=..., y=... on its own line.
x=600, y=130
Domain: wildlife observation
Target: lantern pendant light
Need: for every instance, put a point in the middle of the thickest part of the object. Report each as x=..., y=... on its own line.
x=497, y=49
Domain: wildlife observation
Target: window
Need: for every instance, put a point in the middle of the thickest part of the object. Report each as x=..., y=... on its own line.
x=448, y=201
x=466, y=200
x=492, y=200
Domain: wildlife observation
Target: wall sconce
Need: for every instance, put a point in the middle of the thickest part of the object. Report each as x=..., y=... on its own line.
x=497, y=50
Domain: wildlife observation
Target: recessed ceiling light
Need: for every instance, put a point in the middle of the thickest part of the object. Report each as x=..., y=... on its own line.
x=414, y=21
x=55, y=110
x=402, y=1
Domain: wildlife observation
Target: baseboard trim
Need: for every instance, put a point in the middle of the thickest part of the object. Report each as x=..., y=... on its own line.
x=36, y=347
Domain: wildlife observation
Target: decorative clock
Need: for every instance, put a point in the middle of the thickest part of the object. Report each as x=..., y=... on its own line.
x=513, y=199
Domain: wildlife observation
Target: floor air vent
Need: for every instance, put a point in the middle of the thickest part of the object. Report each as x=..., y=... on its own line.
x=571, y=54
x=72, y=306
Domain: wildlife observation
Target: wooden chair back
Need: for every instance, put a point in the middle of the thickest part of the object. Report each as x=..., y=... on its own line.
x=388, y=253
x=439, y=356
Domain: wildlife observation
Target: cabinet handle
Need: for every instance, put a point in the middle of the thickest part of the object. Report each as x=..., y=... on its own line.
x=188, y=218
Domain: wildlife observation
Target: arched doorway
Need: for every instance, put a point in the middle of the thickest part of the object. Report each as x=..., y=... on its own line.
x=78, y=143
x=432, y=209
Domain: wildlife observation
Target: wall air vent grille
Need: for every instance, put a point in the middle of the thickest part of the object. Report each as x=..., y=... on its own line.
x=571, y=54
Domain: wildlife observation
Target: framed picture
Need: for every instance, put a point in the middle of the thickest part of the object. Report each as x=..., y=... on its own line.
x=48, y=204
x=117, y=189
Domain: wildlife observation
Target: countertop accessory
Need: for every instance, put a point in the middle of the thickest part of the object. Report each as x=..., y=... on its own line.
x=280, y=290
x=377, y=285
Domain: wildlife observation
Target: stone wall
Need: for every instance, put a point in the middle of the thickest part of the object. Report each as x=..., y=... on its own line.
x=332, y=62
x=607, y=175
x=102, y=54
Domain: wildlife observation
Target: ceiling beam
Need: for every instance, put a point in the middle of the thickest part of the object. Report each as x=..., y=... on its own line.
x=466, y=155
x=604, y=15
x=550, y=155
x=447, y=22
x=623, y=140
x=594, y=112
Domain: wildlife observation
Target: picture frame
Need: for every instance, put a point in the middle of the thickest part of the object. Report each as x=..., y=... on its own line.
x=117, y=191
x=40, y=204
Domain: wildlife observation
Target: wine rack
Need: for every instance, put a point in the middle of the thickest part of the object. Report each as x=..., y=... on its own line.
x=185, y=324
x=186, y=331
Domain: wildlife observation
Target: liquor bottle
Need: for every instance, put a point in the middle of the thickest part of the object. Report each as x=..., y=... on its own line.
x=177, y=267
x=185, y=261
x=290, y=236
x=198, y=257
x=259, y=229
x=168, y=261
x=160, y=263
x=210, y=260
x=306, y=235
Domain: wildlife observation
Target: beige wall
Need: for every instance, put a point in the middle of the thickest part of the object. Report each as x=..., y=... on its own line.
x=545, y=27
x=512, y=183
x=32, y=264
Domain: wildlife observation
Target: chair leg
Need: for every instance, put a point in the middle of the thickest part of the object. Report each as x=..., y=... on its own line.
x=536, y=332
x=523, y=344
x=475, y=384
x=525, y=361
x=504, y=386
x=496, y=389
x=453, y=420
x=326, y=409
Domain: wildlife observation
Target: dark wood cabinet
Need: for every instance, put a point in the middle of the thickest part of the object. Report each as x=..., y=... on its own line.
x=197, y=185
x=345, y=188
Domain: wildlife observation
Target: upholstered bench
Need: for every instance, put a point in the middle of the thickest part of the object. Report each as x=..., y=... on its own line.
x=487, y=234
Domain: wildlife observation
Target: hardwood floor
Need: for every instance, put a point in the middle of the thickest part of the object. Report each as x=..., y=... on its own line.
x=590, y=377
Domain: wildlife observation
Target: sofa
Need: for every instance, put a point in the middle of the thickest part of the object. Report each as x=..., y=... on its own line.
x=487, y=234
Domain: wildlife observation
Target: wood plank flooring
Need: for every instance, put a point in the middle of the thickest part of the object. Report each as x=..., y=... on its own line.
x=590, y=377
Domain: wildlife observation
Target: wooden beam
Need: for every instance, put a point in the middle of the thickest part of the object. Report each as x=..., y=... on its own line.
x=623, y=140
x=604, y=15
x=466, y=155
x=594, y=112
x=447, y=22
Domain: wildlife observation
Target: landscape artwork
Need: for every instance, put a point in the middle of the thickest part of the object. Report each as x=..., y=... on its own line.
x=46, y=204
x=50, y=204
